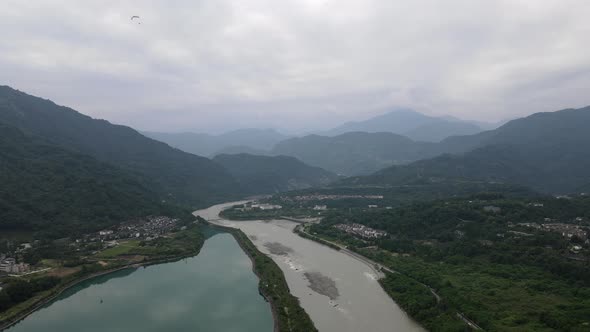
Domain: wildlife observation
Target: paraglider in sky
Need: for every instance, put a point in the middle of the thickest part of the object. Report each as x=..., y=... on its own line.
x=136, y=18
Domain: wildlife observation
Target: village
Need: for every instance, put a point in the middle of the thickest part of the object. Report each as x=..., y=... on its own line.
x=318, y=197
x=152, y=227
x=361, y=231
x=570, y=231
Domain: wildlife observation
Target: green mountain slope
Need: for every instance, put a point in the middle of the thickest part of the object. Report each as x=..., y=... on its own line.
x=172, y=174
x=264, y=174
x=355, y=153
x=412, y=124
x=211, y=145
x=48, y=188
x=545, y=151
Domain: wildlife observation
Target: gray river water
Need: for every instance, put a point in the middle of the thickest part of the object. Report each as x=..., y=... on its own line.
x=340, y=293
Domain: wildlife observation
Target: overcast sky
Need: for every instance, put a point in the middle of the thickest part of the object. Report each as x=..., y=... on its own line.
x=212, y=65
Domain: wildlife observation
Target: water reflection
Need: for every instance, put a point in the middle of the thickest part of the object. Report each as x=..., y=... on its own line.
x=214, y=291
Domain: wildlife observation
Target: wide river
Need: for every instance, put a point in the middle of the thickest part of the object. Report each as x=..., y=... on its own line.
x=214, y=291
x=340, y=293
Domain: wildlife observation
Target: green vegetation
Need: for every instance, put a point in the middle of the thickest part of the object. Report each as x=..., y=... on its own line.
x=266, y=174
x=17, y=290
x=289, y=315
x=59, y=192
x=498, y=297
x=181, y=244
x=545, y=151
x=301, y=232
x=354, y=153
x=237, y=213
x=486, y=256
x=175, y=176
x=420, y=303
x=69, y=266
x=388, y=195
x=123, y=248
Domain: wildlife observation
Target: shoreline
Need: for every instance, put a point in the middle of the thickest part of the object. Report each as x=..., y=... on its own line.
x=18, y=317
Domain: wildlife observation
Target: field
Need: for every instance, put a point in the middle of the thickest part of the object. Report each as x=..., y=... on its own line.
x=122, y=248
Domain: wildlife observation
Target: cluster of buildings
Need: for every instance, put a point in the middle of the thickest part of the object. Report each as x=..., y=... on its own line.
x=265, y=206
x=150, y=228
x=361, y=230
x=259, y=206
x=318, y=197
x=10, y=266
x=566, y=230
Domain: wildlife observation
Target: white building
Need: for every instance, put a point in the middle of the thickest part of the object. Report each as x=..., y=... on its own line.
x=9, y=265
x=269, y=207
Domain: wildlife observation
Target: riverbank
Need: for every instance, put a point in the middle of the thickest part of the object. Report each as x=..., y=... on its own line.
x=50, y=295
x=288, y=314
x=403, y=289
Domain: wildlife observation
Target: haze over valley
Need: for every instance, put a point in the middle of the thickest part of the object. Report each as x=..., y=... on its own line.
x=294, y=167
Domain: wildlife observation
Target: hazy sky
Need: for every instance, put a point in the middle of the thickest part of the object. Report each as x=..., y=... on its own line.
x=296, y=64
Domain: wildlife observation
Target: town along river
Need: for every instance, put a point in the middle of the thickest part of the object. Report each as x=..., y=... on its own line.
x=213, y=291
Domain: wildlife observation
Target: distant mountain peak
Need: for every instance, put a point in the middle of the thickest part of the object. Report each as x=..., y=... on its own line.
x=248, y=139
x=408, y=122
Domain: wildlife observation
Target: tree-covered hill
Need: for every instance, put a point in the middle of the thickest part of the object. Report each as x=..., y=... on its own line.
x=172, y=174
x=265, y=174
x=545, y=151
x=47, y=188
x=355, y=153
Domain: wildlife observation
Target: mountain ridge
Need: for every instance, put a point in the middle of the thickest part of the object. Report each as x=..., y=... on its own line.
x=271, y=174
x=546, y=151
x=58, y=191
x=210, y=145
x=409, y=123
x=354, y=152
x=175, y=175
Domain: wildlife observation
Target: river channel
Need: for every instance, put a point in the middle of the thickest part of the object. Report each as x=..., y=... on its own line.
x=339, y=292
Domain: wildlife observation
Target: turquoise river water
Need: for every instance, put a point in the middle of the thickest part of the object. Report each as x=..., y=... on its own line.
x=213, y=291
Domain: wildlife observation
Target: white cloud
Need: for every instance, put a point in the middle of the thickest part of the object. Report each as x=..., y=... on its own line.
x=296, y=63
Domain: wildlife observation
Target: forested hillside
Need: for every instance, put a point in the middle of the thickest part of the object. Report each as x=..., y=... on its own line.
x=50, y=189
x=172, y=174
x=545, y=151
x=265, y=174
x=356, y=152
